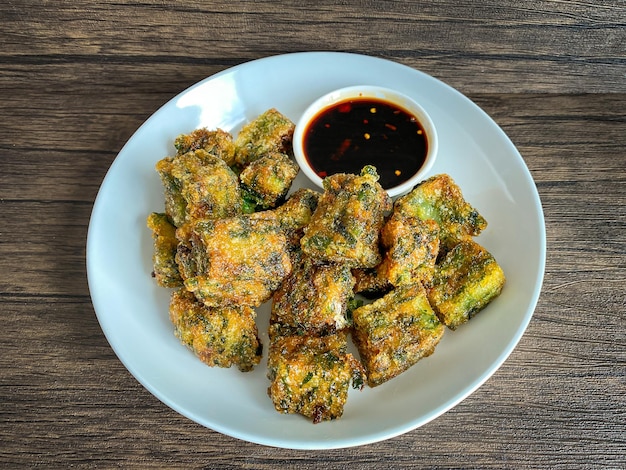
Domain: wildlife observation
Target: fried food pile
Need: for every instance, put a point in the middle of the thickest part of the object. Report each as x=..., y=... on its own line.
x=345, y=262
x=215, y=245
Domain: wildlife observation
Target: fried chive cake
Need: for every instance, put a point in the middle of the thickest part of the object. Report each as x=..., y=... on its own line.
x=297, y=210
x=440, y=199
x=394, y=332
x=218, y=336
x=313, y=298
x=411, y=247
x=165, y=269
x=198, y=185
x=465, y=281
x=268, y=133
x=345, y=227
x=370, y=283
x=235, y=260
x=311, y=375
x=266, y=180
x=218, y=142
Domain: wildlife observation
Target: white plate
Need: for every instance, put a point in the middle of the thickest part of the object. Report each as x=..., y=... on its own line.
x=133, y=311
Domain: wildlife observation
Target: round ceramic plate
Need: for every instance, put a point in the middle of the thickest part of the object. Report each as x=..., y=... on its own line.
x=133, y=311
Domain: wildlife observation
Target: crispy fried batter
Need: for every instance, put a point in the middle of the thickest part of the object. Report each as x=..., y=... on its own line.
x=266, y=180
x=465, y=281
x=232, y=242
x=175, y=204
x=222, y=336
x=164, y=258
x=296, y=212
x=313, y=298
x=370, y=283
x=440, y=199
x=395, y=332
x=346, y=224
x=311, y=375
x=218, y=142
x=198, y=185
x=269, y=132
x=237, y=260
x=411, y=248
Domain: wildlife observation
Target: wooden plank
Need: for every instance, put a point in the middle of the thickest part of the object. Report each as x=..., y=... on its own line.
x=77, y=78
x=72, y=402
x=548, y=46
x=43, y=247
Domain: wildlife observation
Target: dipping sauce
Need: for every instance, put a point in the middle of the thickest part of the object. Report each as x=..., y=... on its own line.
x=348, y=135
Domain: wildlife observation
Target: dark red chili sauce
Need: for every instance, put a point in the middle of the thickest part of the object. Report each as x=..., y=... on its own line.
x=345, y=137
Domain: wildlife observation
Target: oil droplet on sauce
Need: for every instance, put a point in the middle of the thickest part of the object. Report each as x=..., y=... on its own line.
x=345, y=137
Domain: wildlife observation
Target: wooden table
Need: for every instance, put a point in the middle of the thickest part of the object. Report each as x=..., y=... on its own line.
x=77, y=78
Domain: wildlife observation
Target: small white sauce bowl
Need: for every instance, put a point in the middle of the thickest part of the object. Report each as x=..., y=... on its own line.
x=364, y=92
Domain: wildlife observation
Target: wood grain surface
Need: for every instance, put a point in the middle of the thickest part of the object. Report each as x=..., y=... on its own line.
x=77, y=78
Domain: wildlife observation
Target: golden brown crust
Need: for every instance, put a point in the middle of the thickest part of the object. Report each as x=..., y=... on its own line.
x=218, y=142
x=345, y=226
x=234, y=261
x=314, y=298
x=440, y=199
x=198, y=185
x=266, y=180
x=311, y=375
x=465, y=282
x=395, y=332
x=165, y=268
x=267, y=133
x=221, y=336
x=411, y=247
x=370, y=283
